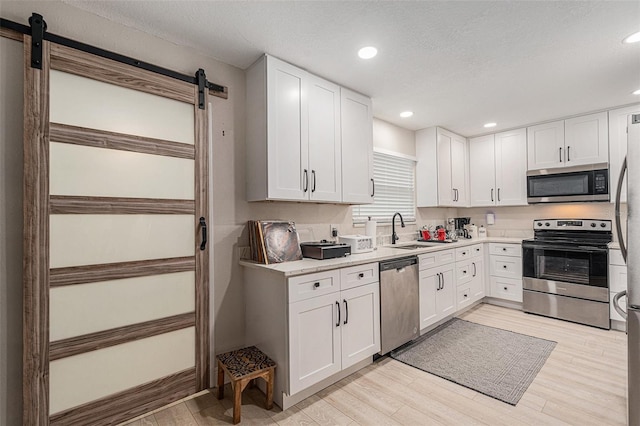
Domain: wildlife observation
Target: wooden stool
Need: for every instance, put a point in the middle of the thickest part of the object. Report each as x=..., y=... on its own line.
x=243, y=366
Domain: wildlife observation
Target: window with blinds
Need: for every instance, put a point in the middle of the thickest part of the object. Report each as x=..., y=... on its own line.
x=394, y=190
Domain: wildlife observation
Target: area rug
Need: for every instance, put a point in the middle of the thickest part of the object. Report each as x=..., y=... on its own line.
x=498, y=363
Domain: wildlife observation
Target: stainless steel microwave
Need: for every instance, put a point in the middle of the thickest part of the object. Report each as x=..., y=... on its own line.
x=569, y=184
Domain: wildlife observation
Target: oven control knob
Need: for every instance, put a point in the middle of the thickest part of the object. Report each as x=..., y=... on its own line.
x=593, y=224
x=602, y=225
x=539, y=223
x=547, y=224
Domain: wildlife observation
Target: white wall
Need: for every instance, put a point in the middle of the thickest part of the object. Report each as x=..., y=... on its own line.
x=11, y=232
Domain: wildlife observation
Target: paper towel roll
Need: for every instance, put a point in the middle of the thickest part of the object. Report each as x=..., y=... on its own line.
x=370, y=230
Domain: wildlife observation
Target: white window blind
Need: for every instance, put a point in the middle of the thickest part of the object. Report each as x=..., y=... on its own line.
x=394, y=190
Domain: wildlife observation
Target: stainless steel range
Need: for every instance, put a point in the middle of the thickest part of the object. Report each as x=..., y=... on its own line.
x=565, y=270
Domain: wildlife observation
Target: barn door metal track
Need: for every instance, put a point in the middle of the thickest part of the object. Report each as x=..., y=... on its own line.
x=38, y=32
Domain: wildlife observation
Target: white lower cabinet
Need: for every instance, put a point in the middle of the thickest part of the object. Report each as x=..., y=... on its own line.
x=449, y=281
x=332, y=332
x=314, y=326
x=469, y=275
x=505, y=271
x=437, y=294
x=314, y=341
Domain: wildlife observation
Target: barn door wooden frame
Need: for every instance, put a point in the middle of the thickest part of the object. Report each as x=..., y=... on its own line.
x=39, y=205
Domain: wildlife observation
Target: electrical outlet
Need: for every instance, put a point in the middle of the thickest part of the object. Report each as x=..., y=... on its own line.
x=333, y=230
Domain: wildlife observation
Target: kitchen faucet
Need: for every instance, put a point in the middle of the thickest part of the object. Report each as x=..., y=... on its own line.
x=394, y=236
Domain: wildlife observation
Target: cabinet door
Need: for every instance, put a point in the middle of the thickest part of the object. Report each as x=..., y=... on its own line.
x=360, y=323
x=459, y=170
x=618, y=120
x=325, y=147
x=477, y=280
x=287, y=128
x=545, y=146
x=445, y=184
x=430, y=282
x=482, y=165
x=357, y=148
x=511, y=168
x=314, y=341
x=446, y=296
x=586, y=139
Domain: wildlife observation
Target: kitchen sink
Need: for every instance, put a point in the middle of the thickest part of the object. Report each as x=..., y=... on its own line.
x=410, y=246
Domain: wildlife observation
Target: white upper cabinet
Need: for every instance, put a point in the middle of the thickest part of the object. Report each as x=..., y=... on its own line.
x=573, y=142
x=296, y=128
x=441, y=171
x=618, y=120
x=497, y=169
x=545, y=143
x=325, y=147
x=482, y=171
x=511, y=168
x=586, y=139
x=358, y=186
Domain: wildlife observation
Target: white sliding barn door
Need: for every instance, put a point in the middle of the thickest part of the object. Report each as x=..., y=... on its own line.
x=116, y=282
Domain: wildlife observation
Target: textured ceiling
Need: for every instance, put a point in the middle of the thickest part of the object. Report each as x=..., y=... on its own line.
x=455, y=64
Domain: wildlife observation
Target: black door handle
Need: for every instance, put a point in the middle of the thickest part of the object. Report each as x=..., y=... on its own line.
x=346, y=311
x=305, y=176
x=338, y=305
x=568, y=153
x=313, y=173
x=373, y=188
x=492, y=195
x=203, y=228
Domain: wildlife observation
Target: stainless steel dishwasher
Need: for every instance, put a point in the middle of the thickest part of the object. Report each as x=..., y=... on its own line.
x=399, y=302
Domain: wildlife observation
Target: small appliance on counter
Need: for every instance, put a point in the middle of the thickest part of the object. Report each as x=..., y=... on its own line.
x=358, y=243
x=324, y=249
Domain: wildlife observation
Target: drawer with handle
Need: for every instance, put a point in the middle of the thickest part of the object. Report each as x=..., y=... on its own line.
x=505, y=266
x=477, y=250
x=437, y=258
x=355, y=276
x=506, y=288
x=464, y=296
x=312, y=285
x=464, y=272
x=505, y=249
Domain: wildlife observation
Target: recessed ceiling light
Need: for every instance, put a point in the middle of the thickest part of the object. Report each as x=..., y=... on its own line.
x=406, y=114
x=367, y=52
x=637, y=92
x=633, y=38
x=490, y=125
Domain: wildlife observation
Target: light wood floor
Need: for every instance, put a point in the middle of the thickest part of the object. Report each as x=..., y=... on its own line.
x=582, y=383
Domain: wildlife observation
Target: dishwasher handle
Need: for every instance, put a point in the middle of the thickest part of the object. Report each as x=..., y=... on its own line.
x=398, y=263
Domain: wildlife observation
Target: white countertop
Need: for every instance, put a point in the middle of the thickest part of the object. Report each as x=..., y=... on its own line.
x=307, y=266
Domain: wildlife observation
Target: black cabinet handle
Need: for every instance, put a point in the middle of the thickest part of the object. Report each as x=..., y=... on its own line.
x=498, y=194
x=203, y=229
x=464, y=272
x=316, y=285
x=504, y=249
x=361, y=275
x=475, y=271
x=504, y=266
x=568, y=153
x=305, y=175
x=438, y=288
x=313, y=173
x=505, y=288
x=492, y=195
x=346, y=311
x=373, y=187
x=560, y=155
x=338, y=305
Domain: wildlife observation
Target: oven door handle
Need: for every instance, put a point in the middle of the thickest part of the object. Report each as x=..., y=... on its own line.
x=565, y=248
